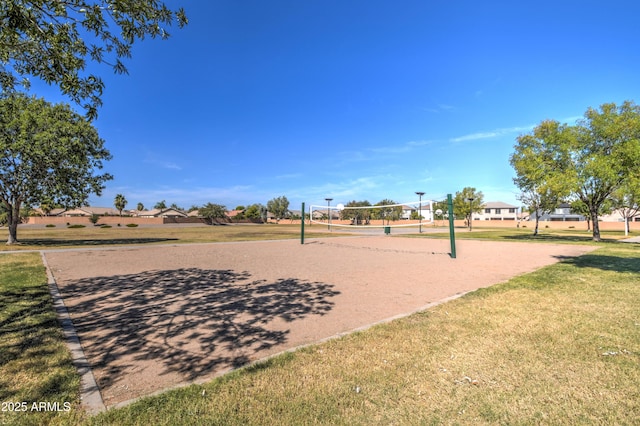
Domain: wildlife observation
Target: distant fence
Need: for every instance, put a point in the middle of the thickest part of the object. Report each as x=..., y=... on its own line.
x=124, y=220
x=84, y=220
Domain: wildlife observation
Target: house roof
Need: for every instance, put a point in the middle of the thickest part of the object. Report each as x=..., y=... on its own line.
x=498, y=205
x=88, y=211
x=161, y=213
x=52, y=212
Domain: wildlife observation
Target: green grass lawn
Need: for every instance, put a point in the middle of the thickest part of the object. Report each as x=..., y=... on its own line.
x=35, y=365
x=557, y=346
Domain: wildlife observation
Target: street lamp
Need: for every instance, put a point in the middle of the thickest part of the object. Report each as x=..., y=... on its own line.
x=470, y=199
x=328, y=200
x=420, y=194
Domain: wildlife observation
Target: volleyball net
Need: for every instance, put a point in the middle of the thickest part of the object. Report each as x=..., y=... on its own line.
x=400, y=215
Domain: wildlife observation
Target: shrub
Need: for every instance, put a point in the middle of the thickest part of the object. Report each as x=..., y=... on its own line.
x=50, y=225
x=105, y=226
x=132, y=225
x=76, y=226
x=94, y=218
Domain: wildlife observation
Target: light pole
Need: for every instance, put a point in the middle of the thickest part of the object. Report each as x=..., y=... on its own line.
x=328, y=200
x=470, y=199
x=420, y=194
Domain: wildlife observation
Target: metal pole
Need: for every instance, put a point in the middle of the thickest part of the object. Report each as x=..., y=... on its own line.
x=328, y=200
x=420, y=194
x=302, y=225
x=452, y=235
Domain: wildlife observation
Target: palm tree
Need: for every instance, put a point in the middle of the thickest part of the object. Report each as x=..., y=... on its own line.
x=120, y=202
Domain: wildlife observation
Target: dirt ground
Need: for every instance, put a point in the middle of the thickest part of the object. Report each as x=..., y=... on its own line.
x=150, y=318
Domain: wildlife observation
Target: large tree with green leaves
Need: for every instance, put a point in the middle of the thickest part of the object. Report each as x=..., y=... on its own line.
x=55, y=40
x=536, y=158
x=467, y=202
x=279, y=207
x=606, y=156
x=47, y=153
x=359, y=215
x=256, y=211
x=213, y=211
x=388, y=210
x=591, y=160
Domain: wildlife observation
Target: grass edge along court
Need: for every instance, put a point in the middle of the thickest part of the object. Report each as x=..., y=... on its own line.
x=559, y=345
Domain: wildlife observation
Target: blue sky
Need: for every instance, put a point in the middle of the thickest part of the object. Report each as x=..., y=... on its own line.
x=361, y=100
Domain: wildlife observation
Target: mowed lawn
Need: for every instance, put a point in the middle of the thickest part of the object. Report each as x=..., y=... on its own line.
x=557, y=346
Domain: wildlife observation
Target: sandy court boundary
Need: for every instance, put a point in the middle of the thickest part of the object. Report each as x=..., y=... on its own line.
x=151, y=318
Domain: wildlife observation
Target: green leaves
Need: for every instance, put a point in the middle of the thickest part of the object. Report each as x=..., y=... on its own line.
x=586, y=162
x=48, y=153
x=120, y=202
x=53, y=40
x=213, y=211
x=463, y=207
x=279, y=206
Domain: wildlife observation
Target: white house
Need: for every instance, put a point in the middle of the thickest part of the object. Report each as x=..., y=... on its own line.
x=425, y=212
x=618, y=216
x=496, y=210
x=562, y=213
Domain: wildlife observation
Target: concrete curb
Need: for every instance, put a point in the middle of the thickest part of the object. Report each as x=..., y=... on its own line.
x=89, y=391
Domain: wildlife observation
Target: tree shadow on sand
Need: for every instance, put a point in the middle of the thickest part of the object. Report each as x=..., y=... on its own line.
x=194, y=322
x=61, y=242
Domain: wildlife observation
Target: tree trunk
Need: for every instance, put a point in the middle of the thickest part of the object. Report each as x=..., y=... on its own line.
x=13, y=233
x=13, y=217
x=535, y=231
x=626, y=226
x=596, y=226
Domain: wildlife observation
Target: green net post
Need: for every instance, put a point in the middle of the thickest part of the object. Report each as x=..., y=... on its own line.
x=452, y=235
x=302, y=225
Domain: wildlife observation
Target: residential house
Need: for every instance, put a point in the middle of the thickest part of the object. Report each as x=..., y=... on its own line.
x=562, y=213
x=617, y=216
x=170, y=212
x=407, y=211
x=321, y=214
x=496, y=210
x=88, y=211
x=53, y=212
x=231, y=214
